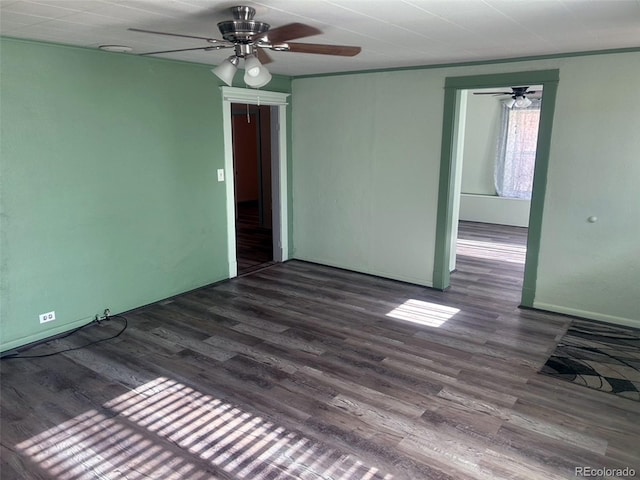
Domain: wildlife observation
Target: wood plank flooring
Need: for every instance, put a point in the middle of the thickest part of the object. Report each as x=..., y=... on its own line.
x=301, y=371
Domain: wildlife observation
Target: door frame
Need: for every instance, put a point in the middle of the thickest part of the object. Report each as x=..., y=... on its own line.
x=279, y=193
x=449, y=167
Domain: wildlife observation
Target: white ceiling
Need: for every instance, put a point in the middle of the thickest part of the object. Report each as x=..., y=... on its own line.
x=392, y=33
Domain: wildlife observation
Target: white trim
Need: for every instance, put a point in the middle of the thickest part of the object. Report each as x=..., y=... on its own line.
x=278, y=178
x=282, y=191
x=230, y=188
x=255, y=97
x=628, y=322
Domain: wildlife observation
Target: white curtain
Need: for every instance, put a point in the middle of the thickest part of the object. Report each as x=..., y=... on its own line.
x=517, y=151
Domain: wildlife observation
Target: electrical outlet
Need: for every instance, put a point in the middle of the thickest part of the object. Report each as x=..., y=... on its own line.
x=103, y=316
x=47, y=317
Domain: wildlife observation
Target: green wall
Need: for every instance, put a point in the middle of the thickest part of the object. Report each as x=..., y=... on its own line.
x=481, y=144
x=593, y=269
x=109, y=195
x=366, y=149
x=364, y=186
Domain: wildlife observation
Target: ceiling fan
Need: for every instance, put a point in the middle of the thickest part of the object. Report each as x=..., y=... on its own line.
x=518, y=96
x=250, y=38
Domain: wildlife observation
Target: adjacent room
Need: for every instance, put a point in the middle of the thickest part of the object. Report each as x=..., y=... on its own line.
x=319, y=240
x=497, y=164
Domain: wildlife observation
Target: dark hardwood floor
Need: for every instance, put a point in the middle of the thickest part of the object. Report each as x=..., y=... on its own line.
x=254, y=244
x=301, y=371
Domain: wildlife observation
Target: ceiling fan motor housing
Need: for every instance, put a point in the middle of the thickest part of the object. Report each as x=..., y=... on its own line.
x=242, y=28
x=520, y=91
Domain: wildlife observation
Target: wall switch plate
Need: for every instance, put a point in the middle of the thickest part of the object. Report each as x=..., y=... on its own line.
x=221, y=174
x=47, y=317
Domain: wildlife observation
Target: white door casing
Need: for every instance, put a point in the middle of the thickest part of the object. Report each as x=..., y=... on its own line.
x=279, y=168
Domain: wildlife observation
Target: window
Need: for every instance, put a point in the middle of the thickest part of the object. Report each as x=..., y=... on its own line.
x=517, y=151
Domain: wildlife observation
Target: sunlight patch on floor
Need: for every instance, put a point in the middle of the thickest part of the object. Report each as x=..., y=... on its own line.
x=167, y=430
x=423, y=313
x=504, y=252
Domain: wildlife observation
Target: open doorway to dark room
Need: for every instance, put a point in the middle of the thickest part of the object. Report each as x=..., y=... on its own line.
x=252, y=177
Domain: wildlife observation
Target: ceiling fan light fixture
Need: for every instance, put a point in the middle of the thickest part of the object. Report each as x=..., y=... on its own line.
x=256, y=75
x=509, y=102
x=252, y=66
x=227, y=69
x=522, y=102
x=259, y=81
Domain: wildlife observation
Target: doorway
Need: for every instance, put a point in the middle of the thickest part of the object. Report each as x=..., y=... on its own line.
x=251, y=128
x=450, y=171
x=497, y=159
x=273, y=191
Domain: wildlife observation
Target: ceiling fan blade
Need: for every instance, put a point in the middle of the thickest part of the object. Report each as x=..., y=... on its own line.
x=290, y=31
x=493, y=93
x=321, y=49
x=182, y=50
x=263, y=56
x=212, y=40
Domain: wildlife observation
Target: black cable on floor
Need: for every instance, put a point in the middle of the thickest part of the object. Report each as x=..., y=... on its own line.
x=124, y=327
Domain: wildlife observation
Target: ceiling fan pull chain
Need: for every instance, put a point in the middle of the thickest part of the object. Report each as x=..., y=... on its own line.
x=248, y=116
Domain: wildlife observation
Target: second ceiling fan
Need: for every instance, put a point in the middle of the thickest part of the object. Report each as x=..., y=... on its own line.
x=518, y=96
